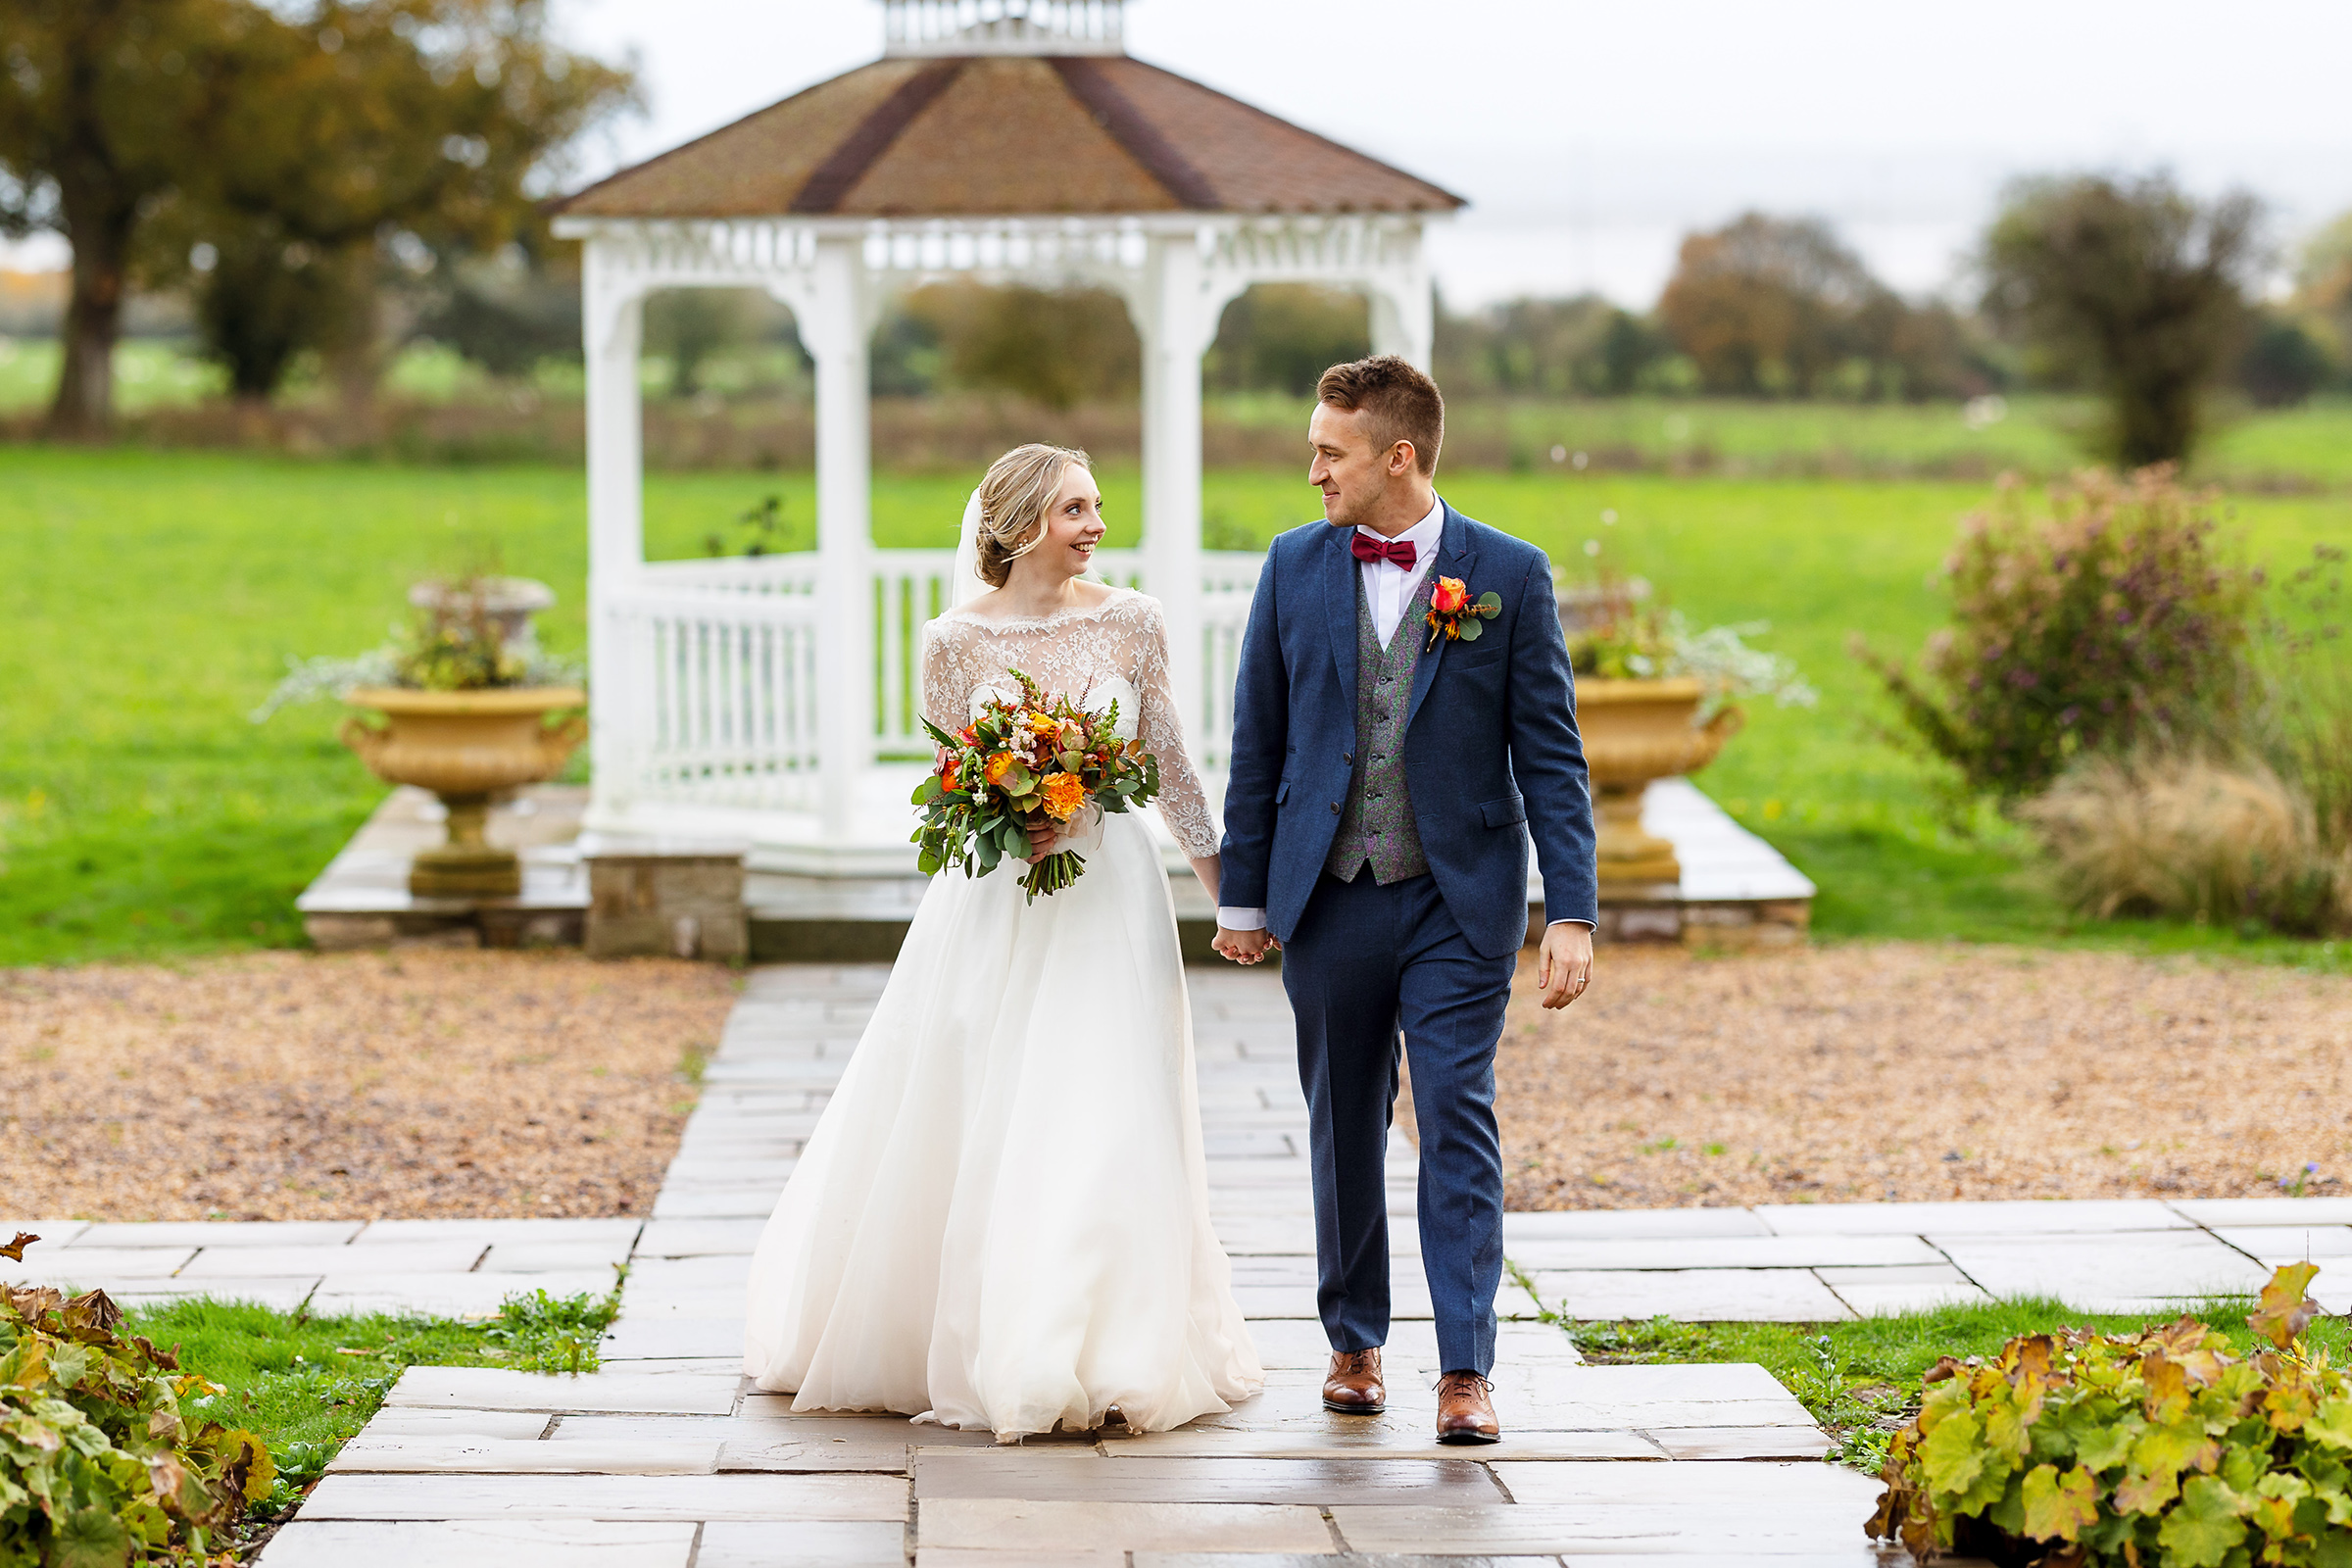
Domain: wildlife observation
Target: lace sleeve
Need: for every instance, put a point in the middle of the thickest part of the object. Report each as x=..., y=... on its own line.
x=946, y=696
x=1183, y=805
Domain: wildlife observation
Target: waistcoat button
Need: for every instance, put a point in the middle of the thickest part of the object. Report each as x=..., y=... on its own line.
x=1335, y=807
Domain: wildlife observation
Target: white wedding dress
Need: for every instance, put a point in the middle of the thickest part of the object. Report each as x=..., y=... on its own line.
x=1001, y=1217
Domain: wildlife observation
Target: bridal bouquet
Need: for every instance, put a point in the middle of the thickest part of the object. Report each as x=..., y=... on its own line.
x=1035, y=762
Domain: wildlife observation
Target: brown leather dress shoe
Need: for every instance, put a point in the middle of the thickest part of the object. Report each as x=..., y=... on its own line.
x=1355, y=1386
x=1466, y=1409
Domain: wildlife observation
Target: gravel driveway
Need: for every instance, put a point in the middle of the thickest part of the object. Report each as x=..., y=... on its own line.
x=296, y=1086
x=1906, y=1071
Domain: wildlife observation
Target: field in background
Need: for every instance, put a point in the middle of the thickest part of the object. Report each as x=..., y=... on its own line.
x=152, y=600
x=436, y=407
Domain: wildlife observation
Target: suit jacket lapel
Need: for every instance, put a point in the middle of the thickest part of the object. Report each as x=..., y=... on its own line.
x=1454, y=555
x=1340, y=574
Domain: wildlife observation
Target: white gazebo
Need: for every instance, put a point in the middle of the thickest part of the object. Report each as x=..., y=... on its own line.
x=773, y=698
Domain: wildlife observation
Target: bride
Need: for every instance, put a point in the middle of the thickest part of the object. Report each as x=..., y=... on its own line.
x=1001, y=1218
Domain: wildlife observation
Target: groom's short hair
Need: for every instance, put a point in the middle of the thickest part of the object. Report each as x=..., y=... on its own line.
x=1399, y=404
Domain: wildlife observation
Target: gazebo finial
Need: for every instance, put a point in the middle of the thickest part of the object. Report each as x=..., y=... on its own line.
x=931, y=27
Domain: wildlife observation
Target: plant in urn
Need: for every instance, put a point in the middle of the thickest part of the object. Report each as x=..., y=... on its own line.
x=469, y=710
x=1653, y=701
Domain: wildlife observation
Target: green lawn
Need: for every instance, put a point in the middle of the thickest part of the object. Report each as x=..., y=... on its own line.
x=152, y=599
x=306, y=1385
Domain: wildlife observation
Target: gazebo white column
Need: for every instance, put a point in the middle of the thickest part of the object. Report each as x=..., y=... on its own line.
x=616, y=316
x=835, y=333
x=1176, y=326
x=1403, y=315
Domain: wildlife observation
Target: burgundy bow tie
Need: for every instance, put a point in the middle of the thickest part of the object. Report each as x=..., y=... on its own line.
x=1400, y=551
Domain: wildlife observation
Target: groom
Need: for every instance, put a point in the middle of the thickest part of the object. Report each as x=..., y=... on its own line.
x=1384, y=783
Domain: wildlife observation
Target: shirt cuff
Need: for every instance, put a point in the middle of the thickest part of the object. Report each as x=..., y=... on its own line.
x=1587, y=924
x=1242, y=919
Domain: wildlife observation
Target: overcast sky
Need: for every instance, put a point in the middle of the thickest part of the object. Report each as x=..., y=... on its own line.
x=1590, y=137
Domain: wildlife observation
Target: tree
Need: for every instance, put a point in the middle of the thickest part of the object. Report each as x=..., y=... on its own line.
x=290, y=140
x=1056, y=347
x=102, y=105
x=690, y=325
x=1769, y=305
x=2135, y=285
x=375, y=119
x=2283, y=364
x=1281, y=337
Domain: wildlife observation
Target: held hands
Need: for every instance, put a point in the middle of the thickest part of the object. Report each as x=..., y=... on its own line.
x=1564, y=966
x=1244, y=947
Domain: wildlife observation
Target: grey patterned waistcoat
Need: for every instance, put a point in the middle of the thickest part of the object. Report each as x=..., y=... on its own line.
x=1376, y=828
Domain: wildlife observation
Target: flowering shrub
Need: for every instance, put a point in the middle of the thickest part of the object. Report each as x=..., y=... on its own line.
x=97, y=1463
x=2156, y=1449
x=2108, y=623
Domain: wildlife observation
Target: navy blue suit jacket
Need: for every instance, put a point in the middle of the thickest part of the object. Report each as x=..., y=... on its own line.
x=1490, y=749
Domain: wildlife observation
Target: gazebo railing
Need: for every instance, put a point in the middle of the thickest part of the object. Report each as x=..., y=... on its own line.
x=719, y=693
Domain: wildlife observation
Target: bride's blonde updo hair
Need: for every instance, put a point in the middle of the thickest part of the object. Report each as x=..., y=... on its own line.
x=1013, y=498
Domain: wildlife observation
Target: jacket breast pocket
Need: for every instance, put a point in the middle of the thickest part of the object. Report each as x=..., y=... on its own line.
x=1512, y=809
x=1476, y=657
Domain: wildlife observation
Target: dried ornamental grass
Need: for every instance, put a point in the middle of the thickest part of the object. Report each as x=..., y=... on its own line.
x=2189, y=839
x=1912, y=1071
x=290, y=1086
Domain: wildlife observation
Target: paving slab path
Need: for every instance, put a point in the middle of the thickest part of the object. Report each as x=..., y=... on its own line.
x=664, y=1458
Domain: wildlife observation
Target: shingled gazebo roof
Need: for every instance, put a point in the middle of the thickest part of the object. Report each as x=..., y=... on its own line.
x=997, y=135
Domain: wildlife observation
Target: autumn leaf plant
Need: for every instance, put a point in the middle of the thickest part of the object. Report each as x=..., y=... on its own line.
x=100, y=1460
x=1038, y=762
x=2155, y=1449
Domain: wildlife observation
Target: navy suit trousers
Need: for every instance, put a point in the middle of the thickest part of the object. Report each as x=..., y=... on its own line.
x=1365, y=961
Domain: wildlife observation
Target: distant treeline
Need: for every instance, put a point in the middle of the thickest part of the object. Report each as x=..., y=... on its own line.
x=319, y=186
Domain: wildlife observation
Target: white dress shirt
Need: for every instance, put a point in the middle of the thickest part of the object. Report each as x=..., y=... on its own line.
x=1388, y=589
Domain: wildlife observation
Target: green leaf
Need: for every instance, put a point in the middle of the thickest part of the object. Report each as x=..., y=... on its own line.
x=2200, y=1532
x=1472, y=630
x=929, y=790
x=1490, y=605
x=86, y=1538
x=2103, y=1448
x=1954, y=1453
x=2332, y=1425
x=929, y=863
x=2059, y=1508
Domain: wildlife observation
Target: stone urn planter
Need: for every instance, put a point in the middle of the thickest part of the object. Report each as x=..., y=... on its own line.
x=467, y=746
x=1636, y=731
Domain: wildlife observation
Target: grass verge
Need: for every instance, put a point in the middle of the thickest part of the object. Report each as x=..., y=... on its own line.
x=308, y=1384
x=1861, y=1378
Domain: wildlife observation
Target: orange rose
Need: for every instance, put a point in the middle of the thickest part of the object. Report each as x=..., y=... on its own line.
x=998, y=766
x=1448, y=597
x=1065, y=794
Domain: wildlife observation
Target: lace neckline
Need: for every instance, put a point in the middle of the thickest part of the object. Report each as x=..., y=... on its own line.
x=1034, y=622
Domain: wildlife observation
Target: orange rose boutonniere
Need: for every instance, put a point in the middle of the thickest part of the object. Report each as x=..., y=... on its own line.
x=1454, y=615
